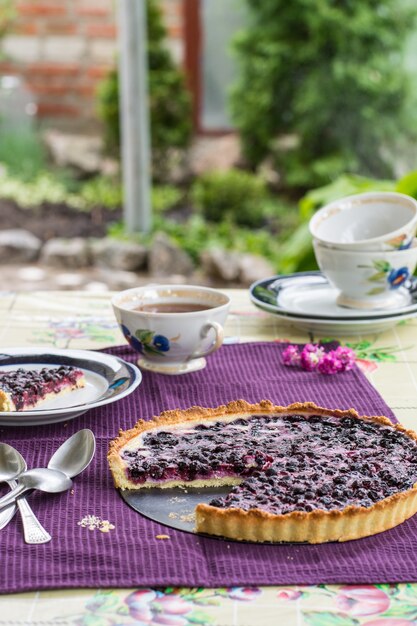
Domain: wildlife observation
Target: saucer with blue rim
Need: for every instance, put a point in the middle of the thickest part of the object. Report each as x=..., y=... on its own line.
x=307, y=300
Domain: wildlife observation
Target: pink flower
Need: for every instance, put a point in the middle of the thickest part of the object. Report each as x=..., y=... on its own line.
x=291, y=356
x=289, y=594
x=173, y=604
x=330, y=364
x=310, y=356
x=246, y=594
x=346, y=356
x=313, y=357
x=363, y=600
x=141, y=596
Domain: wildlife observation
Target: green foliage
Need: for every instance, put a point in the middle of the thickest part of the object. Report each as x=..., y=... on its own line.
x=235, y=195
x=102, y=191
x=56, y=188
x=408, y=184
x=7, y=15
x=328, y=74
x=325, y=618
x=44, y=187
x=345, y=185
x=198, y=235
x=22, y=153
x=108, y=110
x=165, y=197
x=170, y=101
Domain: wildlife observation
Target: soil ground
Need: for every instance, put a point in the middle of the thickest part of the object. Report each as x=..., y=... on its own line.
x=57, y=220
x=60, y=220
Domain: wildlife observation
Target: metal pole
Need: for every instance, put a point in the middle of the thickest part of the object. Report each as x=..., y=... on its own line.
x=134, y=115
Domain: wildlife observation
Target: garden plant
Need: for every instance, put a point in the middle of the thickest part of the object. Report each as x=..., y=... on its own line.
x=322, y=87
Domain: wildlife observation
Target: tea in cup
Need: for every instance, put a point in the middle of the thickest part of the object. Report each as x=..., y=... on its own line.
x=173, y=327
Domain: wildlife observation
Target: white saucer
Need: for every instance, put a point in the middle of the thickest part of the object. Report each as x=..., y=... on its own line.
x=308, y=301
x=321, y=300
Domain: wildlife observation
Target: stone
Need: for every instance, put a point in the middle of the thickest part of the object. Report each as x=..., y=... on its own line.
x=66, y=253
x=70, y=280
x=221, y=264
x=120, y=280
x=18, y=246
x=166, y=258
x=119, y=255
x=267, y=170
x=214, y=153
x=253, y=267
x=82, y=152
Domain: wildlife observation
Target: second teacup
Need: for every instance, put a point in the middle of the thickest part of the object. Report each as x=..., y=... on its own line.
x=367, y=221
x=173, y=327
x=368, y=280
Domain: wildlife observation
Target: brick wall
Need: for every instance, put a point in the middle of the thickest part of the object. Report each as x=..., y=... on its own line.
x=64, y=48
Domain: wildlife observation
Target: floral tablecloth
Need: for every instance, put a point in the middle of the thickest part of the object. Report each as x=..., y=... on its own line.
x=84, y=320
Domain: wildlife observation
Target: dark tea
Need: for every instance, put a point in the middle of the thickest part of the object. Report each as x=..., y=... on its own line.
x=172, y=307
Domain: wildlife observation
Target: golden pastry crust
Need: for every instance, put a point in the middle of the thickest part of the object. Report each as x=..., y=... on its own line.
x=317, y=526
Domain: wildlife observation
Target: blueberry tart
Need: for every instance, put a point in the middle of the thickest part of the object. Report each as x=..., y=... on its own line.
x=24, y=389
x=297, y=473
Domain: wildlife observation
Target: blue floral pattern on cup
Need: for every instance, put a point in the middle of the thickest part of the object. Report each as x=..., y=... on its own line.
x=396, y=278
x=386, y=273
x=146, y=342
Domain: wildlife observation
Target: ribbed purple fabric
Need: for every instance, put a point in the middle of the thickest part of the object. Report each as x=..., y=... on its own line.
x=131, y=555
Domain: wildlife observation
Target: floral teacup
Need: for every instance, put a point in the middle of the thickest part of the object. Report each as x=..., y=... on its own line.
x=381, y=220
x=368, y=280
x=173, y=327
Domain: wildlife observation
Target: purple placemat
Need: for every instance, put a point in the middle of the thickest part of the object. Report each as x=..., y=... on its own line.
x=131, y=555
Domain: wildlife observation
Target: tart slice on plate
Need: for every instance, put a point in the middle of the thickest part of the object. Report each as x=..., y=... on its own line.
x=23, y=389
x=297, y=473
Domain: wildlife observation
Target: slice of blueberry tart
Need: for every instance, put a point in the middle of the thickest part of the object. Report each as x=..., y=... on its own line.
x=24, y=389
x=297, y=473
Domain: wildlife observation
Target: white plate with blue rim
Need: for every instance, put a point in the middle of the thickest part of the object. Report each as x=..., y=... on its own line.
x=108, y=379
x=307, y=301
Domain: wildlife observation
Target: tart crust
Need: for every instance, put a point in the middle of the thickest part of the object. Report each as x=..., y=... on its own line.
x=317, y=526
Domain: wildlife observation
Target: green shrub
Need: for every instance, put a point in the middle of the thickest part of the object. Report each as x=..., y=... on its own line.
x=22, y=153
x=235, y=195
x=165, y=197
x=44, y=187
x=198, y=235
x=329, y=75
x=107, y=192
x=170, y=101
x=102, y=191
x=56, y=188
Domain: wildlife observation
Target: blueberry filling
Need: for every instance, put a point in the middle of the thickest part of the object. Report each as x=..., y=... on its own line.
x=286, y=463
x=27, y=387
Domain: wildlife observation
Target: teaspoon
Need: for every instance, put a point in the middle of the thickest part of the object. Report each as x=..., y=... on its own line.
x=43, y=479
x=11, y=465
x=71, y=458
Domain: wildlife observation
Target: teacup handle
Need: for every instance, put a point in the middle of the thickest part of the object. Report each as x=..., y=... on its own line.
x=218, y=329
